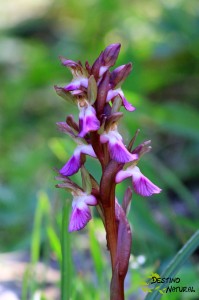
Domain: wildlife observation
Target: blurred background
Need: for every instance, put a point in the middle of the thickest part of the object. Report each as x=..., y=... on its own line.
x=161, y=39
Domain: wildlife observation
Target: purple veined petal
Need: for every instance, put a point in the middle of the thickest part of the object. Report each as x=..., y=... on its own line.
x=74, y=163
x=88, y=121
x=87, y=149
x=72, y=166
x=123, y=174
x=142, y=185
x=119, y=152
x=80, y=216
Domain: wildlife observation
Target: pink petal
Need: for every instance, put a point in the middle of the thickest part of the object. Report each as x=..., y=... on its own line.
x=87, y=149
x=127, y=105
x=118, y=92
x=72, y=166
x=80, y=216
x=72, y=86
x=90, y=200
x=88, y=121
x=77, y=84
x=145, y=187
x=121, y=175
x=104, y=138
x=142, y=185
x=111, y=94
x=102, y=70
x=119, y=152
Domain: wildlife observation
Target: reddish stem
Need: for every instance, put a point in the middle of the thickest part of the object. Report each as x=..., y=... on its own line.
x=111, y=228
x=107, y=202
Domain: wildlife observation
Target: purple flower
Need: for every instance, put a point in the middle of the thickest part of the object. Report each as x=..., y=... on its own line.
x=87, y=120
x=74, y=163
x=118, y=92
x=81, y=214
x=80, y=75
x=77, y=84
x=141, y=184
x=116, y=147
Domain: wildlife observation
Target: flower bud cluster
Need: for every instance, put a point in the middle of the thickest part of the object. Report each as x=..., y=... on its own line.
x=96, y=91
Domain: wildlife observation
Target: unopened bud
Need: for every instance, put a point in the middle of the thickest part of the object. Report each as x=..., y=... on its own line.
x=110, y=54
x=119, y=75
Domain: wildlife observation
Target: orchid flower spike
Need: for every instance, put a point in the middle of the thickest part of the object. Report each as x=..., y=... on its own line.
x=141, y=184
x=116, y=147
x=74, y=163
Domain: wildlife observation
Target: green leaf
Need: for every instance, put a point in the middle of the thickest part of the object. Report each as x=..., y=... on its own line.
x=86, y=181
x=54, y=242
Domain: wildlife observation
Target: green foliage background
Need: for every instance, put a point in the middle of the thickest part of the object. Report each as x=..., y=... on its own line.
x=160, y=38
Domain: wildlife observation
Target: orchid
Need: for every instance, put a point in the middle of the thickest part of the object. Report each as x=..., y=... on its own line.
x=81, y=214
x=141, y=184
x=74, y=163
x=117, y=150
x=87, y=120
x=118, y=92
x=96, y=92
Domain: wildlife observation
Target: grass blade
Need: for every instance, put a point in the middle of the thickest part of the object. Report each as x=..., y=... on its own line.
x=66, y=270
x=176, y=263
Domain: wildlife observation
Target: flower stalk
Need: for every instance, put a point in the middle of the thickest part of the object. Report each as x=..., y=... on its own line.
x=66, y=255
x=96, y=91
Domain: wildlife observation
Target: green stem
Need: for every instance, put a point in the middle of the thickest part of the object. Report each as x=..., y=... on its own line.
x=66, y=255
